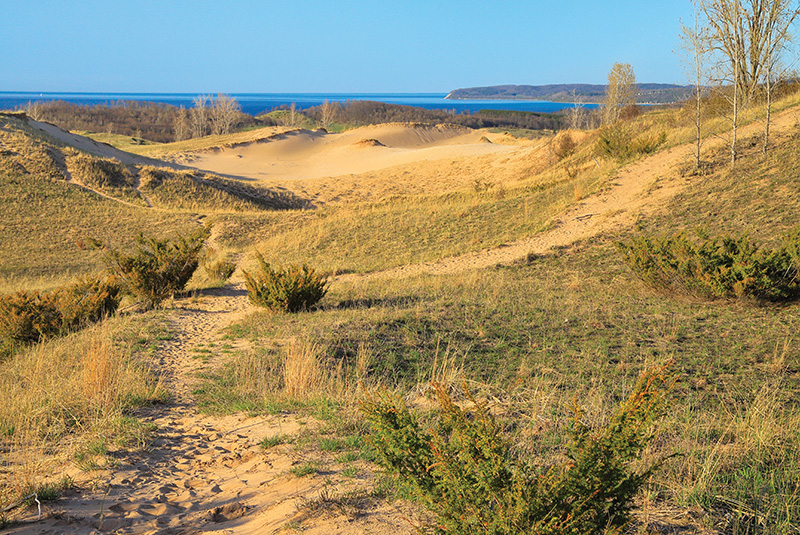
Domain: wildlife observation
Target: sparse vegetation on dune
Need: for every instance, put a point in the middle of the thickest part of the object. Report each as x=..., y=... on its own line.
x=526, y=339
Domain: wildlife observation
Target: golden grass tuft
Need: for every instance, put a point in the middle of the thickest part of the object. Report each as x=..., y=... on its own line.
x=303, y=371
x=97, y=382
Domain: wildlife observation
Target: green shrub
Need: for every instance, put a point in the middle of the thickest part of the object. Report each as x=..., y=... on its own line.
x=87, y=301
x=157, y=268
x=719, y=267
x=619, y=141
x=465, y=470
x=28, y=317
x=289, y=289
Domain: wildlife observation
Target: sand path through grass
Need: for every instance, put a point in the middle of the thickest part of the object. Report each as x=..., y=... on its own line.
x=200, y=473
x=636, y=190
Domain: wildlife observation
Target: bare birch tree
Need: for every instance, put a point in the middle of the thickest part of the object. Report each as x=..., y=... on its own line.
x=781, y=16
x=620, y=93
x=224, y=111
x=199, y=116
x=35, y=110
x=577, y=115
x=695, y=43
x=328, y=112
x=181, y=125
x=748, y=35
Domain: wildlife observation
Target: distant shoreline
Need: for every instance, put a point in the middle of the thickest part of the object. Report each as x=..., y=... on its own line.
x=258, y=103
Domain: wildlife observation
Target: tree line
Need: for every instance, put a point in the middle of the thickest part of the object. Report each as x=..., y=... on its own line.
x=147, y=120
x=363, y=112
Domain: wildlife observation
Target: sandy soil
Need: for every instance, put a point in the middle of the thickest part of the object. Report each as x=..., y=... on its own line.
x=205, y=474
x=308, y=154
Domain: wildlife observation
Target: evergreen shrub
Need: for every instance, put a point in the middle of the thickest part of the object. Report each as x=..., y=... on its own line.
x=29, y=316
x=619, y=141
x=289, y=289
x=465, y=470
x=718, y=267
x=157, y=268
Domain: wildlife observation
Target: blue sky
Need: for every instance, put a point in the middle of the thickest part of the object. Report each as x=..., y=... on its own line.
x=239, y=46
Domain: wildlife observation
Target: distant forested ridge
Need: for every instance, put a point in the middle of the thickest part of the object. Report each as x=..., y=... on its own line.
x=646, y=93
x=365, y=112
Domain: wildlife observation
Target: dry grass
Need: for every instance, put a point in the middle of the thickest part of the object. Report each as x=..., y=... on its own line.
x=189, y=190
x=60, y=395
x=208, y=142
x=303, y=373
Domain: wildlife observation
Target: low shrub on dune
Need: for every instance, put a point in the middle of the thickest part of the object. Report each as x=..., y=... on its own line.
x=290, y=289
x=157, y=268
x=28, y=316
x=719, y=267
x=465, y=470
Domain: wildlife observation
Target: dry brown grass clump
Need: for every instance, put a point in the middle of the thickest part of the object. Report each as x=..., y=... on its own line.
x=60, y=395
x=189, y=190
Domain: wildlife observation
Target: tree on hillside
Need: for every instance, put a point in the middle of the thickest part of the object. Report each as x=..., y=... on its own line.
x=782, y=15
x=695, y=43
x=577, y=115
x=181, y=125
x=224, y=111
x=620, y=94
x=748, y=36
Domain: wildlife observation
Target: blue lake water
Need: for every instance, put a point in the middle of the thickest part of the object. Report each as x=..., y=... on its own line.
x=257, y=103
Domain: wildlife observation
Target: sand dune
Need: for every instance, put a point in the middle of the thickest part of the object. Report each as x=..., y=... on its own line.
x=310, y=155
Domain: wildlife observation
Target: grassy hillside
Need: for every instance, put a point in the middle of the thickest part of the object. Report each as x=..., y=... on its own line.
x=572, y=324
x=57, y=197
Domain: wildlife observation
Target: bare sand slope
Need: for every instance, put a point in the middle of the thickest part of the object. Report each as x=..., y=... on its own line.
x=91, y=146
x=314, y=154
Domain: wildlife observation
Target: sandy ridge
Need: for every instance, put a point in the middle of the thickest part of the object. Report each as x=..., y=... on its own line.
x=641, y=188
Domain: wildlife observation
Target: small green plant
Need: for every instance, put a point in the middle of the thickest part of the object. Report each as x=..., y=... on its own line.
x=305, y=469
x=289, y=289
x=719, y=267
x=274, y=440
x=158, y=268
x=466, y=472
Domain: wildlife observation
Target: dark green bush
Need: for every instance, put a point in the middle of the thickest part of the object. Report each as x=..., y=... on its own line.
x=289, y=289
x=157, y=268
x=87, y=301
x=465, y=470
x=619, y=141
x=28, y=317
x=719, y=267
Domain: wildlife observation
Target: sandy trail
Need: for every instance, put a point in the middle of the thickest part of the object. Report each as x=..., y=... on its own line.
x=200, y=474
